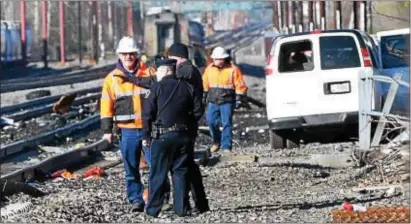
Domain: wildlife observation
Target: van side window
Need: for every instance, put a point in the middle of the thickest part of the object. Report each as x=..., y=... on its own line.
x=296, y=57
x=338, y=52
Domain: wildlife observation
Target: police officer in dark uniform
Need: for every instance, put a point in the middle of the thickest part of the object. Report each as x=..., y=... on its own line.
x=190, y=73
x=165, y=126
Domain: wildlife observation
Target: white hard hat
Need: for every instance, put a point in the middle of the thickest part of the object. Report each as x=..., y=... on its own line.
x=127, y=45
x=219, y=53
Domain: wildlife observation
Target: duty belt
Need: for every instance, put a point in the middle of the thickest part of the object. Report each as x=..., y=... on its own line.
x=176, y=127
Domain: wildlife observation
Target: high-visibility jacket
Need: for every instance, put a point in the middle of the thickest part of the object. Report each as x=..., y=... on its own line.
x=121, y=102
x=223, y=85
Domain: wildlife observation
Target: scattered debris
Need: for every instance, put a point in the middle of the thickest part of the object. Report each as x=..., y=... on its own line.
x=321, y=174
x=63, y=105
x=8, y=211
x=94, y=172
x=400, y=214
x=64, y=174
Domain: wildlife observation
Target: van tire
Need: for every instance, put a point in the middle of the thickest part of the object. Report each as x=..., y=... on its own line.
x=279, y=142
x=37, y=94
x=276, y=141
x=291, y=144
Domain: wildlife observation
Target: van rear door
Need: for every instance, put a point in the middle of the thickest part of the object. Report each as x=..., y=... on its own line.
x=315, y=74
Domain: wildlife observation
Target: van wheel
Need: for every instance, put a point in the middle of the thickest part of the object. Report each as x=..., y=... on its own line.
x=291, y=144
x=276, y=141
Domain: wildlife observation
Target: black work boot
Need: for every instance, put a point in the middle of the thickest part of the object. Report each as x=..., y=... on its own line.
x=137, y=207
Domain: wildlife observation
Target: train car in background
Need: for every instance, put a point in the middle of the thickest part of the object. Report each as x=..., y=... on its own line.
x=11, y=45
x=162, y=28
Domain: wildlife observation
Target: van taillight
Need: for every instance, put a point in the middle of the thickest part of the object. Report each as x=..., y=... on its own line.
x=315, y=31
x=269, y=71
x=366, y=57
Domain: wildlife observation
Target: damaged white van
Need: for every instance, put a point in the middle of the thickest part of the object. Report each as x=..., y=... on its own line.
x=312, y=85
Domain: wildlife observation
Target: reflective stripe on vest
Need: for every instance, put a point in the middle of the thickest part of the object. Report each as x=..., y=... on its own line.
x=126, y=117
x=218, y=85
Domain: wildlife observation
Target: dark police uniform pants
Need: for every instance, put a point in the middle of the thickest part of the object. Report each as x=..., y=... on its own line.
x=196, y=179
x=169, y=153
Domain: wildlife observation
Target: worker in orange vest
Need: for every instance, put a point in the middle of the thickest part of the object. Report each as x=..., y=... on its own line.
x=124, y=90
x=224, y=89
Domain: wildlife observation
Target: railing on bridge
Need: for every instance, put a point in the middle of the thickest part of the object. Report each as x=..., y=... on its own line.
x=366, y=113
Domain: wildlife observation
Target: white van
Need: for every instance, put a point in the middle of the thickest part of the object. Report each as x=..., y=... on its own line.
x=312, y=85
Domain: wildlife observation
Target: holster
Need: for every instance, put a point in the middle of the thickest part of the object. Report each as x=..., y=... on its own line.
x=156, y=131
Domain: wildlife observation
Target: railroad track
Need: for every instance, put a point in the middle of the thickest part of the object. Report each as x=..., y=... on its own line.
x=43, y=101
x=53, y=125
x=48, y=108
x=50, y=80
x=14, y=148
x=57, y=162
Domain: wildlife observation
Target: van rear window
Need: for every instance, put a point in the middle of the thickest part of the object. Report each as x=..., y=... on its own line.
x=296, y=57
x=338, y=52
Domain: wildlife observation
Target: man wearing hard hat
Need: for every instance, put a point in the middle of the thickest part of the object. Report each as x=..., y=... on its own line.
x=224, y=89
x=121, y=104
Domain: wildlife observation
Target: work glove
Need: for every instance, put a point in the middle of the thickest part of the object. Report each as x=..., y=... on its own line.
x=205, y=98
x=237, y=104
x=238, y=100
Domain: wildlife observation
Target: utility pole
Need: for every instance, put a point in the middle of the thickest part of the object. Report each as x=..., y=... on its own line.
x=23, y=30
x=369, y=17
x=110, y=21
x=356, y=19
x=300, y=17
x=276, y=23
x=62, y=34
x=284, y=10
x=311, y=16
x=338, y=20
x=44, y=31
x=293, y=16
x=364, y=15
x=80, y=56
x=115, y=26
x=323, y=22
x=130, y=19
x=94, y=33
x=100, y=30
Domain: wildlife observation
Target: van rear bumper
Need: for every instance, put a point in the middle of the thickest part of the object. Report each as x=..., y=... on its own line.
x=317, y=120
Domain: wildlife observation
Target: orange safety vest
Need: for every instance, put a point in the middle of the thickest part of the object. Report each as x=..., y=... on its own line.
x=223, y=84
x=117, y=96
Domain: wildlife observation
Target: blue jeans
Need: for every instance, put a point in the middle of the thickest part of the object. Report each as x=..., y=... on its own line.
x=131, y=146
x=221, y=113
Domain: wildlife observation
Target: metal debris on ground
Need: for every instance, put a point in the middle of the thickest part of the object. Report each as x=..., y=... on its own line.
x=63, y=105
x=94, y=172
x=400, y=214
x=64, y=174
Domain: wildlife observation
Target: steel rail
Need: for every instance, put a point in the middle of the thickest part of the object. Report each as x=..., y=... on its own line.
x=21, y=145
x=43, y=100
x=24, y=115
x=57, y=162
x=77, y=77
